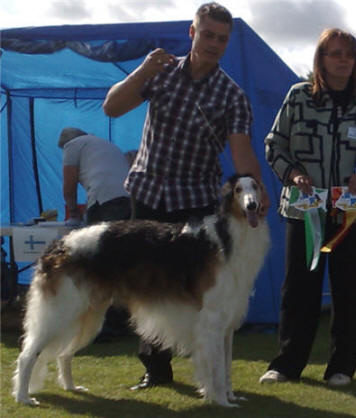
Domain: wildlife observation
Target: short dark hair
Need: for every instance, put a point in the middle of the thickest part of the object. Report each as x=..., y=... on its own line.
x=214, y=11
x=67, y=134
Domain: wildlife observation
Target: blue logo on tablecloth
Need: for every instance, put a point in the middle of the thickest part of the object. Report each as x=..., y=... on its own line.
x=33, y=242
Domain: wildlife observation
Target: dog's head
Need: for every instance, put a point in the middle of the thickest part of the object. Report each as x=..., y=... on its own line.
x=241, y=196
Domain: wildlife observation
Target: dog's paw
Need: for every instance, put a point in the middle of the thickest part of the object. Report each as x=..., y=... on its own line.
x=33, y=402
x=233, y=398
x=73, y=388
x=228, y=404
x=28, y=401
x=201, y=392
x=222, y=401
x=80, y=389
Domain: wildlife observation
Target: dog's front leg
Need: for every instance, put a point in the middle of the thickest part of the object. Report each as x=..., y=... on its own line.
x=228, y=362
x=209, y=361
x=221, y=372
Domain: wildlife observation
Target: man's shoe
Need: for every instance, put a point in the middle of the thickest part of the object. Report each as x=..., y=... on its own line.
x=148, y=381
x=272, y=376
x=339, y=379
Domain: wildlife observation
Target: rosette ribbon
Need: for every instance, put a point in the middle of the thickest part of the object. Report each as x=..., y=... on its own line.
x=349, y=219
x=342, y=199
x=314, y=208
x=314, y=222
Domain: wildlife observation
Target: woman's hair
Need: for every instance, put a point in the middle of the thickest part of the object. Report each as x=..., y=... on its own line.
x=319, y=74
x=214, y=11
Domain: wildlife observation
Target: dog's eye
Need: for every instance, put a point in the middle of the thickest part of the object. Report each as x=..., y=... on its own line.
x=254, y=186
x=238, y=189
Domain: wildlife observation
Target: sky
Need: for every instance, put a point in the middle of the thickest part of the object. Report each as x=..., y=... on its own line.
x=290, y=27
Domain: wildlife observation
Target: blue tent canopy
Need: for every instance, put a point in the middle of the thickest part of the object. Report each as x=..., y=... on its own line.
x=58, y=76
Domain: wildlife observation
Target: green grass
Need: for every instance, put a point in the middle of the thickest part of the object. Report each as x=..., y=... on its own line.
x=109, y=369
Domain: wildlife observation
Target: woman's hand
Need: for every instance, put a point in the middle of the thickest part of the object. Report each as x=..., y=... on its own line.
x=302, y=181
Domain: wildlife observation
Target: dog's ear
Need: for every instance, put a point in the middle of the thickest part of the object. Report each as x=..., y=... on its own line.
x=227, y=188
x=226, y=196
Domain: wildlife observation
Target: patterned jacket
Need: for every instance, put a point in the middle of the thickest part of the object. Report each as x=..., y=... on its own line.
x=316, y=139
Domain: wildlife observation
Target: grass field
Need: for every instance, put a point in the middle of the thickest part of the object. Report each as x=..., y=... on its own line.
x=108, y=370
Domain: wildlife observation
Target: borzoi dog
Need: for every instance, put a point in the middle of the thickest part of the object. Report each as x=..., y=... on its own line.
x=186, y=286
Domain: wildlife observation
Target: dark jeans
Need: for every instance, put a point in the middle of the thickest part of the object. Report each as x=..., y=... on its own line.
x=117, y=318
x=301, y=304
x=155, y=360
x=112, y=210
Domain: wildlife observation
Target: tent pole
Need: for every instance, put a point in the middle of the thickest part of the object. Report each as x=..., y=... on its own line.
x=34, y=156
x=10, y=159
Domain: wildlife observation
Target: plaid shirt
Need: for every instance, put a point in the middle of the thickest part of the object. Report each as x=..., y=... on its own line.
x=186, y=127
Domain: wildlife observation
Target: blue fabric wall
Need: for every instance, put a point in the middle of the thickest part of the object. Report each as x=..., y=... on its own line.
x=52, y=77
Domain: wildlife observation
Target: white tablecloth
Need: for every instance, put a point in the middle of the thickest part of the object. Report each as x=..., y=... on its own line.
x=29, y=242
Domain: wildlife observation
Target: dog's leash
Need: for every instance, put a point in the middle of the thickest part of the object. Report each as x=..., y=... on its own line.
x=218, y=141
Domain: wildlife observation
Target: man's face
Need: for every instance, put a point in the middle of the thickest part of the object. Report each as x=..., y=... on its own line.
x=210, y=39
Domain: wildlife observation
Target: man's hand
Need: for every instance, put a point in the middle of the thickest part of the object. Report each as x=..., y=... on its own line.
x=126, y=94
x=155, y=62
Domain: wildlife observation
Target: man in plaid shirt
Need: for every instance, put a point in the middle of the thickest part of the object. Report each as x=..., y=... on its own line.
x=194, y=107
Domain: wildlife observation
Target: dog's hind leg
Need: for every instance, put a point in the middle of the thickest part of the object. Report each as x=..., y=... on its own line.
x=47, y=322
x=90, y=324
x=65, y=377
x=22, y=376
x=32, y=361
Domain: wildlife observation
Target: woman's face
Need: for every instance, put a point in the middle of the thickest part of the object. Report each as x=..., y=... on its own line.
x=338, y=61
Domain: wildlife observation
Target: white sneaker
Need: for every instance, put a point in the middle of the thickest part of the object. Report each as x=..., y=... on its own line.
x=339, y=379
x=272, y=376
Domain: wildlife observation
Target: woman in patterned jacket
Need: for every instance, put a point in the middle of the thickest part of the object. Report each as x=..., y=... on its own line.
x=313, y=143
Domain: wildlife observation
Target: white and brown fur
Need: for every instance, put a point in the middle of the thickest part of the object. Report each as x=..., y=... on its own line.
x=186, y=286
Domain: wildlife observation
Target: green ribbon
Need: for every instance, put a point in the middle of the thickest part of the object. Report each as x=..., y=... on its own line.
x=314, y=221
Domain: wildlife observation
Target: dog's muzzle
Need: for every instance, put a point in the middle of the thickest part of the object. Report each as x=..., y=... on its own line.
x=252, y=214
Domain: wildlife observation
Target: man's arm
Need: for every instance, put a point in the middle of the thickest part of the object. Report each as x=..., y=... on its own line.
x=126, y=95
x=70, y=186
x=245, y=162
